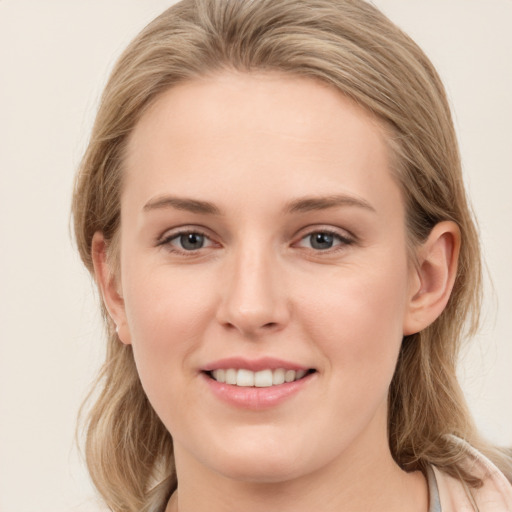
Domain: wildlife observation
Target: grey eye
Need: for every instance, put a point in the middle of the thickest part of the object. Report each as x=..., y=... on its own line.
x=324, y=240
x=191, y=241
x=321, y=241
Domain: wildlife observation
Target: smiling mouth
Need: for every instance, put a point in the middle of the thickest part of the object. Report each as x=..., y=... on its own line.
x=260, y=379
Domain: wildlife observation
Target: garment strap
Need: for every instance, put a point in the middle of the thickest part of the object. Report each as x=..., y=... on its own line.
x=435, y=503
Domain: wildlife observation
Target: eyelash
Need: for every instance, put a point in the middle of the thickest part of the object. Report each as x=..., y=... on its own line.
x=343, y=240
x=166, y=241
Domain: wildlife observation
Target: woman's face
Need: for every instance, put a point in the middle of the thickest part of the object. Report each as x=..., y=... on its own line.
x=263, y=237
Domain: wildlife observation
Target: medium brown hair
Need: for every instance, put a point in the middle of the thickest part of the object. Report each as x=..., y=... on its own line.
x=350, y=45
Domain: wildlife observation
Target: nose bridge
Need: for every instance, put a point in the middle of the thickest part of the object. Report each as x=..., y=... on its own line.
x=253, y=299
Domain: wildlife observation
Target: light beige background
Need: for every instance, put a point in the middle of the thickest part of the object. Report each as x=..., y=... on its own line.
x=54, y=59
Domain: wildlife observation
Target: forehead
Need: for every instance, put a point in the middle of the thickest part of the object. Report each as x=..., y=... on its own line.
x=256, y=132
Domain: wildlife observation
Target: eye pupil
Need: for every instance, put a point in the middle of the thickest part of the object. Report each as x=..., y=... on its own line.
x=321, y=241
x=192, y=241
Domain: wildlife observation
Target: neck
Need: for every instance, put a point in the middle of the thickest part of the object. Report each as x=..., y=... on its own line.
x=356, y=482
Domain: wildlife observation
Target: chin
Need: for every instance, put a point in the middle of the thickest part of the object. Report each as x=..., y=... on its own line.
x=269, y=461
x=265, y=470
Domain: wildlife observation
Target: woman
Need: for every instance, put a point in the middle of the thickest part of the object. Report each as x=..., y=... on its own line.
x=272, y=206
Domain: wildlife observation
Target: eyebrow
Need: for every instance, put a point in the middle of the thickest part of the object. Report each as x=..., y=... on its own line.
x=300, y=205
x=182, y=203
x=308, y=204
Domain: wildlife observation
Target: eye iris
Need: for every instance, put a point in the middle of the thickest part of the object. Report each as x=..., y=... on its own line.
x=321, y=241
x=192, y=241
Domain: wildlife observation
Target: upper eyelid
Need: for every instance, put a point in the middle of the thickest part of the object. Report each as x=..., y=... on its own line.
x=340, y=232
x=171, y=233
x=345, y=240
x=165, y=242
x=304, y=232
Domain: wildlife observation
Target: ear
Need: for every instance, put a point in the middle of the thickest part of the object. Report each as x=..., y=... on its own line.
x=433, y=277
x=109, y=287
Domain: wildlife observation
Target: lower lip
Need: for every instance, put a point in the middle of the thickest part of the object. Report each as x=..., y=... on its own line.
x=253, y=397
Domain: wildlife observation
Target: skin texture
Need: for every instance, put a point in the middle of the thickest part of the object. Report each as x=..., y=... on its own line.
x=251, y=145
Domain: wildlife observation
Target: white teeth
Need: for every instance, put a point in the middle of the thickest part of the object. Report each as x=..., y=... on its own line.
x=300, y=374
x=245, y=378
x=261, y=379
x=278, y=376
x=220, y=375
x=289, y=376
x=231, y=376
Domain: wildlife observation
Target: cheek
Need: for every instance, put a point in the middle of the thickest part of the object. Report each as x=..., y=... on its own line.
x=357, y=321
x=165, y=306
x=167, y=315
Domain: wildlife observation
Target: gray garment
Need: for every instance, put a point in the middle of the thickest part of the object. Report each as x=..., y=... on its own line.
x=435, y=504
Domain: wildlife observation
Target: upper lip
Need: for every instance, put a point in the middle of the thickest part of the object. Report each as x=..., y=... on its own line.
x=255, y=365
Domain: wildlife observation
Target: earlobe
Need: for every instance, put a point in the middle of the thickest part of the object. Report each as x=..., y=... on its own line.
x=108, y=285
x=434, y=277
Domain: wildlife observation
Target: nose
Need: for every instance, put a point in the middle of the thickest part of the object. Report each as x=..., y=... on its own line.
x=253, y=300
